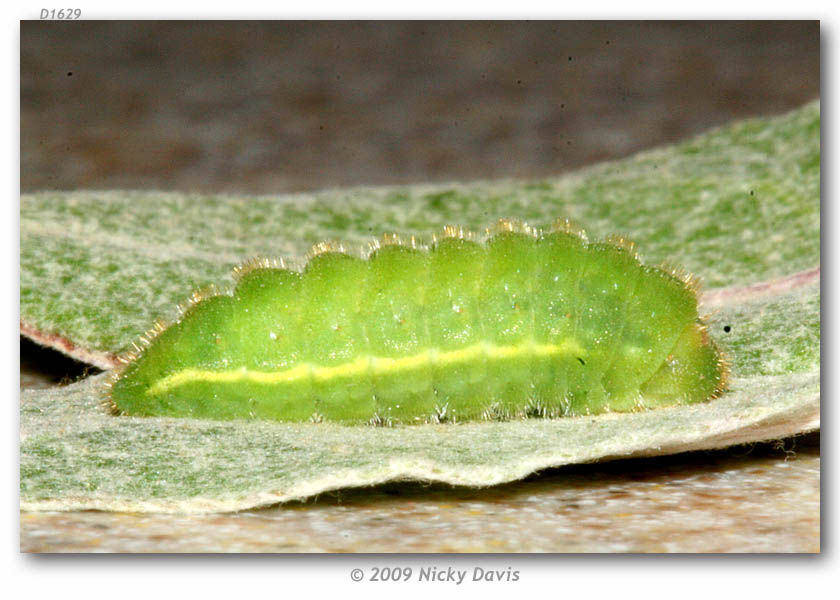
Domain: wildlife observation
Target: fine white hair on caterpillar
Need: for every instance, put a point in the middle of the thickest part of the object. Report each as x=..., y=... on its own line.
x=513, y=323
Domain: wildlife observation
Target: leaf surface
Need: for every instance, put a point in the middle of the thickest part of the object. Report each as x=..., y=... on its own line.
x=738, y=206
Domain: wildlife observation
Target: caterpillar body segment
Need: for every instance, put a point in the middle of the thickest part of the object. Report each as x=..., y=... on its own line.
x=520, y=323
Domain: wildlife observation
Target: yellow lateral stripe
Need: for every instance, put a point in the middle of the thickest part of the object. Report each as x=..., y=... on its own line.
x=368, y=364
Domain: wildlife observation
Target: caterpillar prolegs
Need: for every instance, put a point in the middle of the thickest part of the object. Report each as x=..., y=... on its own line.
x=515, y=323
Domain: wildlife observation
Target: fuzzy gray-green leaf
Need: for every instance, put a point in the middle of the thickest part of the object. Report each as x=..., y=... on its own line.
x=739, y=206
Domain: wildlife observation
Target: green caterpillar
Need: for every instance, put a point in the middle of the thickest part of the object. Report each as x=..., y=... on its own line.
x=521, y=323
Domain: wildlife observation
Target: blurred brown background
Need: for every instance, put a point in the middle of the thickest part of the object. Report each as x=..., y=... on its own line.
x=265, y=107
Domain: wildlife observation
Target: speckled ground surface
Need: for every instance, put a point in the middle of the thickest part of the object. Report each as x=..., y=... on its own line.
x=265, y=108
x=764, y=498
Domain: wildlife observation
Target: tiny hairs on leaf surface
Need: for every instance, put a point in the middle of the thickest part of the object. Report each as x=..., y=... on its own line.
x=514, y=323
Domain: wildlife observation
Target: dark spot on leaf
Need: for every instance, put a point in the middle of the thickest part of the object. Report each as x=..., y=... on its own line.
x=581, y=361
